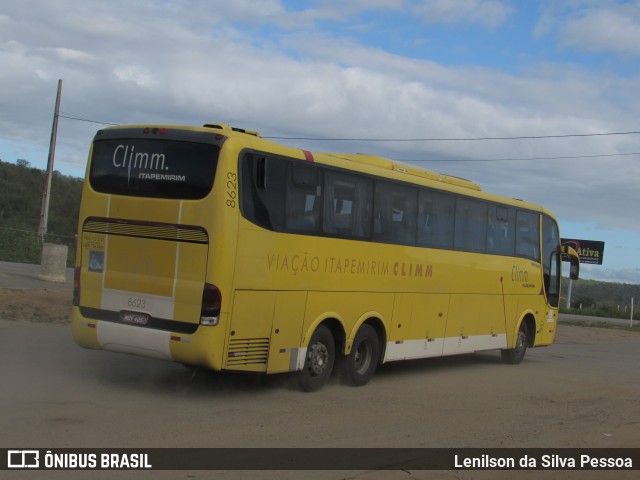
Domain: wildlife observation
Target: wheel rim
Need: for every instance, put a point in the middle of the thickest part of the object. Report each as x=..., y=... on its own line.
x=318, y=358
x=362, y=357
x=521, y=341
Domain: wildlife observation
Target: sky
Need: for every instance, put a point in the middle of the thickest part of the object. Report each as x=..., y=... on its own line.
x=538, y=100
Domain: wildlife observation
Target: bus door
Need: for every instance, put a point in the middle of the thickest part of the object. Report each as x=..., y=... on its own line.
x=551, y=266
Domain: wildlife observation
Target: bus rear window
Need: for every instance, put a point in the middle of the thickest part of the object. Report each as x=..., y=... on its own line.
x=153, y=168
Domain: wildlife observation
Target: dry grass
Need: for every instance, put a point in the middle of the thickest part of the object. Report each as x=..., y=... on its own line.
x=51, y=306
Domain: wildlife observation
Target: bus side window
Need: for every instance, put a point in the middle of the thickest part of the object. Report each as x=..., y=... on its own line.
x=435, y=219
x=394, y=213
x=471, y=225
x=501, y=232
x=304, y=198
x=263, y=189
x=347, y=205
x=528, y=235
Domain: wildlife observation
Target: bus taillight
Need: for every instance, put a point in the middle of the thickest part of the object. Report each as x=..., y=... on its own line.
x=161, y=131
x=211, y=302
x=76, y=287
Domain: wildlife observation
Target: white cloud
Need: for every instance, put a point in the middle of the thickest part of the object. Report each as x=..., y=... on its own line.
x=141, y=76
x=70, y=54
x=486, y=13
x=623, y=275
x=593, y=26
x=601, y=30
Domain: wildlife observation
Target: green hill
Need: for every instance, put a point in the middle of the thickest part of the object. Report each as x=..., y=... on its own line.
x=21, y=189
x=604, y=299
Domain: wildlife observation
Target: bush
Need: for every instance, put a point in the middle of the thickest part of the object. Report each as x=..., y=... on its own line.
x=22, y=246
x=21, y=188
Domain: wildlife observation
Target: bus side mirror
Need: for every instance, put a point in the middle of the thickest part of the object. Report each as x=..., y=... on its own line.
x=574, y=261
x=574, y=269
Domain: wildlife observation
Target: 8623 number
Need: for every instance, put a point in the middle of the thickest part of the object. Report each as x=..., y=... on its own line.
x=232, y=189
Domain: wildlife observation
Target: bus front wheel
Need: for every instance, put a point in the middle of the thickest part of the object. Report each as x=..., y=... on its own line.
x=361, y=363
x=318, y=363
x=514, y=356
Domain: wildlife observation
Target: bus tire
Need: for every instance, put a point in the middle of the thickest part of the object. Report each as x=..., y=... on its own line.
x=360, y=364
x=513, y=356
x=319, y=360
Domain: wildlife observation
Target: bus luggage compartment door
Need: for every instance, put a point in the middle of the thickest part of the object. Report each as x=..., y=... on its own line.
x=265, y=331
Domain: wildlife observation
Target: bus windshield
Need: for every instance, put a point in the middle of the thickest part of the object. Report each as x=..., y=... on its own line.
x=158, y=167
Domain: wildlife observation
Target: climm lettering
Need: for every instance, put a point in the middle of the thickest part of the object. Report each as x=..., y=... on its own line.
x=401, y=269
x=125, y=156
x=518, y=275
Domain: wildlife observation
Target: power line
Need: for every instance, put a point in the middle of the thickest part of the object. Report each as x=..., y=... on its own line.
x=528, y=159
x=522, y=137
x=71, y=116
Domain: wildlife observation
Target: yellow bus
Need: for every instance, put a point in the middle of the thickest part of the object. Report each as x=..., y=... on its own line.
x=214, y=247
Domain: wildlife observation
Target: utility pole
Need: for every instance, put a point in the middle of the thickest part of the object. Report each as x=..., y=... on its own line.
x=44, y=212
x=569, y=294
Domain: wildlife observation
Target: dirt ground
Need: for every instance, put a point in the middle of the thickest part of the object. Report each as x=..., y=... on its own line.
x=50, y=306
x=582, y=392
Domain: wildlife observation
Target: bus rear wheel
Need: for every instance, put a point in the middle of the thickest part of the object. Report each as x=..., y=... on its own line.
x=318, y=363
x=361, y=363
x=514, y=356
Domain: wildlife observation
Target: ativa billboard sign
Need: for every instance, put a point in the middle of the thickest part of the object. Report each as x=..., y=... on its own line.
x=590, y=251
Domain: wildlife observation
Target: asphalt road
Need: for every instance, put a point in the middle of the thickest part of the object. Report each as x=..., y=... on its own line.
x=22, y=275
x=581, y=392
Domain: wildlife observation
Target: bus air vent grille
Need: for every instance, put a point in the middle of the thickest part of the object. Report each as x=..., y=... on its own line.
x=248, y=351
x=159, y=231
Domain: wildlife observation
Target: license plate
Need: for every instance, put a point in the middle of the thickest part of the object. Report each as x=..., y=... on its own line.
x=135, y=318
